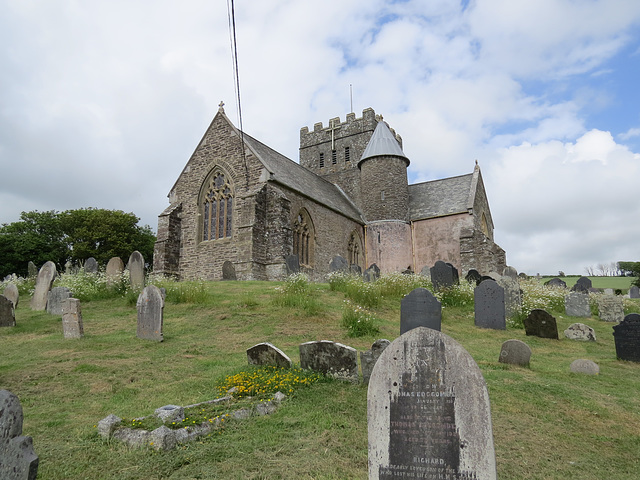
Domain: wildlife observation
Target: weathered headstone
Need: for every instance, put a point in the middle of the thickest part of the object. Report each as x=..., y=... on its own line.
x=608, y=291
x=443, y=275
x=72, y=319
x=114, y=270
x=473, y=276
x=576, y=304
x=372, y=273
x=489, y=307
x=556, y=282
x=510, y=272
x=18, y=460
x=580, y=331
x=332, y=358
x=369, y=358
x=588, y=367
x=229, y=271
x=90, y=265
x=610, y=308
x=267, y=354
x=55, y=297
x=150, y=313
x=428, y=411
x=11, y=292
x=68, y=267
x=338, y=264
x=293, y=264
x=46, y=276
x=136, y=270
x=7, y=313
x=512, y=295
x=541, y=324
x=355, y=270
x=420, y=309
x=515, y=352
x=32, y=270
x=627, y=338
x=634, y=292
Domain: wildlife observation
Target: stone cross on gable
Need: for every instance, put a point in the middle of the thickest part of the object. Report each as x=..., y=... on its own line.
x=221, y=107
x=333, y=127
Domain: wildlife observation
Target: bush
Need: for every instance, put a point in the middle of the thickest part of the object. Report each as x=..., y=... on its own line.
x=296, y=292
x=358, y=321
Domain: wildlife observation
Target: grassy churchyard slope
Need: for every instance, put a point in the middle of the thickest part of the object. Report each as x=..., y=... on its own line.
x=548, y=423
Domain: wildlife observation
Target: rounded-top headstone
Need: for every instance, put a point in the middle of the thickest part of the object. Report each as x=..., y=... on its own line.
x=136, y=270
x=46, y=276
x=556, y=282
x=515, y=352
x=510, y=272
x=90, y=265
x=268, y=354
x=11, y=292
x=10, y=416
x=114, y=269
x=584, y=366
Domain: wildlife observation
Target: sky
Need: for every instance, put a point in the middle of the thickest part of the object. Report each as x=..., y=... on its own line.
x=103, y=103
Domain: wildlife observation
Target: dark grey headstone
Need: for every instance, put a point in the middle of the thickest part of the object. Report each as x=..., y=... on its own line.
x=55, y=297
x=369, y=358
x=90, y=265
x=580, y=287
x=489, y=307
x=32, y=269
x=18, y=460
x=150, y=314
x=332, y=358
x=268, y=354
x=484, y=278
x=576, y=304
x=541, y=324
x=585, y=282
x=580, y=331
x=355, y=270
x=473, y=276
x=420, y=309
x=634, y=292
x=610, y=308
x=114, y=270
x=587, y=367
x=229, y=270
x=428, y=411
x=515, y=352
x=46, y=276
x=293, y=264
x=11, y=292
x=7, y=312
x=136, y=270
x=455, y=273
x=338, y=264
x=372, y=273
x=556, y=282
x=627, y=338
x=443, y=275
x=72, y=319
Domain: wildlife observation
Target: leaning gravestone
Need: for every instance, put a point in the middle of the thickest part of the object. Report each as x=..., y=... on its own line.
x=610, y=308
x=293, y=264
x=576, y=304
x=627, y=338
x=369, y=358
x=512, y=295
x=228, y=271
x=32, y=269
x=338, y=264
x=490, y=312
x=581, y=332
x=420, y=309
x=268, y=354
x=150, y=313
x=7, y=313
x=72, y=319
x=428, y=411
x=634, y=292
x=541, y=324
x=114, y=270
x=443, y=275
x=515, y=352
x=18, y=460
x=45, y=278
x=90, y=265
x=136, y=270
x=332, y=358
x=11, y=292
x=55, y=297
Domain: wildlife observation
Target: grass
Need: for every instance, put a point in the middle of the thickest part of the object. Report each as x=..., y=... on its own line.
x=547, y=422
x=621, y=283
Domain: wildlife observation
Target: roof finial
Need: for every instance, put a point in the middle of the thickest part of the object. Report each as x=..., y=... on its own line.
x=221, y=107
x=476, y=161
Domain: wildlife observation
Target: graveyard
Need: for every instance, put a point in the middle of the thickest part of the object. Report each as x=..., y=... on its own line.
x=548, y=421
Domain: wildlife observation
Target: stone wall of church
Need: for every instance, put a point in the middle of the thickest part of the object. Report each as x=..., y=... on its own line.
x=166, y=254
x=388, y=245
x=438, y=239
x=481, y=253
x=481, y=206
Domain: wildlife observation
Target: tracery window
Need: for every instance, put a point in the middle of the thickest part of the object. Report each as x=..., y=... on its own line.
x=217, y=208
x=483, y=225
x=303, y=238
x=354, y=249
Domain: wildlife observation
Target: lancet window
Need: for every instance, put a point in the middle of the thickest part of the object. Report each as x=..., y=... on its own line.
x=217, y=208
x=354, y=249
x=303, y=238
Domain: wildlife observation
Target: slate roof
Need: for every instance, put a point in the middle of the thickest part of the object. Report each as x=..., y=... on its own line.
x=383, y=142
x=438, y=198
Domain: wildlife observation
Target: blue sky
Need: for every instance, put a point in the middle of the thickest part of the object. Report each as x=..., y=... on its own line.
x=102, y=103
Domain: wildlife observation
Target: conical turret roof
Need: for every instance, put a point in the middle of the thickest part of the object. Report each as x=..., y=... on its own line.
x=383, y=143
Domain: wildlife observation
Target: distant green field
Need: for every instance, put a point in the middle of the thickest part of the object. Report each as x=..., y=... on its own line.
x=623, y=283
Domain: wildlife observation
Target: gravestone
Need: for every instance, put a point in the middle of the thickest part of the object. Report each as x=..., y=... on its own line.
x=32, y=270
x=489, y=307
x=576, y=304
x=634, y=292
x=372, y=273
x=456, y=274
x=11, y=292
x=515, y=352
x=7, y=312
x=68, y=267
x=338, y=264
x=268, y=354
x=587, y=367
x=90, y=265
x=443, y=275
x=72, y=319
x=136, y=270
x=150, y=314
x=485, y=278
x=332, y=358
x=473, y=276
x=581, y=332
x=114, y=270
x=55, y=297
x=608, y=291
x=355, y=270
x=610, y=308
x=585, y=282
x=369, y=358
x=579, y=287
x=426, y=271
x=18, y=460
x=627, y=338
x=512, y=295
x=228, y=271
x=428, y=411
x=556, y=282
x=510, y=272
x=541, y=324
x=420, y=309
x=46, y=276
x=293, y=264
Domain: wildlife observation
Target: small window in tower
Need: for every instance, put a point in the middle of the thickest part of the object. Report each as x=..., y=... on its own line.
x=347, y=157
x=334, y=157
x=382, y=195
x=322, y=160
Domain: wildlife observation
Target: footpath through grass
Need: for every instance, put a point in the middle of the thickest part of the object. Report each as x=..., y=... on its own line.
x=547, y=422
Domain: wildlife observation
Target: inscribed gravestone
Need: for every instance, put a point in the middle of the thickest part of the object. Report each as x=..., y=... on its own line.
x=420, y=309
x=90, y=265
x=150, y=314
x=228, y=271
x=7, y=313
x=372, y=273
x=18, y=460
x=610, y=308
x=369, y=358
x=576, y=304
x=627, y=338
x=585, y=282
x=45, y=278
x=428, y=411
x=515, y=352
x=338, y=264
x=541, y=324
x=332, y=358
x=456, y=274
x=581, y=332
x=11, y=292
x=55, y=297
x=489, y=307
x=443, y=275
x=72, y=319
x=512, y=295
x=268, y=354
x=293, y=264
x=136, y=270
x=634, y=292
x=582, y=365
x=556, y=282
x=114, y=270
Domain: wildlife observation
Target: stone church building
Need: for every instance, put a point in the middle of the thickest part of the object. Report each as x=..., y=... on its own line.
x=239, y=201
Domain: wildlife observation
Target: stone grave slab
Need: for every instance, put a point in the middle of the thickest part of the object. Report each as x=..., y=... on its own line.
x=228, y=271
x=55, y=297
x=581, y=332
x=7, y=312
x=11, y=292
x=541, y=324
x=292, y=263
x=46, y=276
x=369, y=358
x=72, y=319
x=268, y=354
x=634, y=292
x=115, y=267
x=136, y=270
x=443, y=275
x=420, y=309
x=576, y=304
x=332, y=358
x=489, y=306
x=515, y=352
x=18, y=460
x=150, y=314
x=588, y=367
x=627, y=338
x=90, y=265
x=428, y=411
x=610, y=308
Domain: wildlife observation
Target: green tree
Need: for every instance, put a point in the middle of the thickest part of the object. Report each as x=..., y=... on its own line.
x=633, y=268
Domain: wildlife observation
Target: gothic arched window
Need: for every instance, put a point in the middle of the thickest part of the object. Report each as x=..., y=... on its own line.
x=217, y=207
x=354, y=249
x=303, y=238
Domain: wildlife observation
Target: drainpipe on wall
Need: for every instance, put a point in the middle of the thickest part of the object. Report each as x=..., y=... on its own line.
x=365, y=248
x=413, y=246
